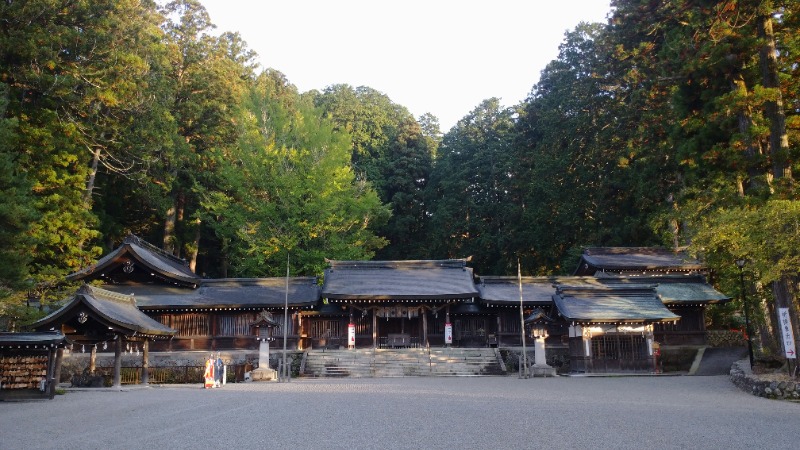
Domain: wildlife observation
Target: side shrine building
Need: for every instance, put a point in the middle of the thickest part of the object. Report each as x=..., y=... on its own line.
x=605, y=318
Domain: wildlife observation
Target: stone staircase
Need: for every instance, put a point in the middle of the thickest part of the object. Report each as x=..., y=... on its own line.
x=414, y=362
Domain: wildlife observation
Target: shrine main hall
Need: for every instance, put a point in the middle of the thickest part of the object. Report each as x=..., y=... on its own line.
x=613, y=314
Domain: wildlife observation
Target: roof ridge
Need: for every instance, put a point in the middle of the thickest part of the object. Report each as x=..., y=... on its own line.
x=622, y=249
x=391, y=264
x=97, y=292
x=133, y=239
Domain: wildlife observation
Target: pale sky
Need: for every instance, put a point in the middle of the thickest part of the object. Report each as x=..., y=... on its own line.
x=438, y=56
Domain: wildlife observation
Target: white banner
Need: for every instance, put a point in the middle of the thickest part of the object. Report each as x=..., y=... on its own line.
x=351, y=335
x=448, y=333
x=787, y=333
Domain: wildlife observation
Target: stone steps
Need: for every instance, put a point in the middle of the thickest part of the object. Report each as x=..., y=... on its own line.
x=402, y=362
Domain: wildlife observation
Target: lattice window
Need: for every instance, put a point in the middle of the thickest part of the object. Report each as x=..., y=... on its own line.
x=509, y=323
x=235, y=324
x=363, y=325
x=187, y=324
x=325, y=329
x=470, y=326
x=626, y=347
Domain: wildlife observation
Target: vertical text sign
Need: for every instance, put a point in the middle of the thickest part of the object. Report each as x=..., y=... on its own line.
x=787, y=333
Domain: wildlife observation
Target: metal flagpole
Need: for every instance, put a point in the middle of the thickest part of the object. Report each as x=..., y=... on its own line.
x=285, y=370
x=524, y=373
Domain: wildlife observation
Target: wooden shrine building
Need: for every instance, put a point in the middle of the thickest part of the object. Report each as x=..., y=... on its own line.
x=30, y=364
x=680, y=281
x=394, y=303
x=611, y=327
x=206, y=314
x=96, y=316
x=607, y=315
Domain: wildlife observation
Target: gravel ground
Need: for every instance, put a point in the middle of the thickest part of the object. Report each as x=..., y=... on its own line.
x=410, y=413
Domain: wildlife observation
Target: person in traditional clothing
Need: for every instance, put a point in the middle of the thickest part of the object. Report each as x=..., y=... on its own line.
x=218, y=371
x=208, y=375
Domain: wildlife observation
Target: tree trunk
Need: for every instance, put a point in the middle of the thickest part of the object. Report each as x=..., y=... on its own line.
x=773, y=109
x=752, y=149
x=87, y=196
x=195, y=249
x=224, y=262
x=784, y=298
x=782, y=289
x=169, y=227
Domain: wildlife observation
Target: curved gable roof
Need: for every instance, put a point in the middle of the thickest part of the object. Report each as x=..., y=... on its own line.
x=604, y=304
x=673, y=289
x=631, y=259
x=147, y=255
x=116, y=310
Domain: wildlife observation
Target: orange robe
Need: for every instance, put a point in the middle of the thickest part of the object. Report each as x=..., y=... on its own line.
x=208, y=375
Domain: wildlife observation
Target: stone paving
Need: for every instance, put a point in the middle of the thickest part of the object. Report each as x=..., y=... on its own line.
x=409, y=413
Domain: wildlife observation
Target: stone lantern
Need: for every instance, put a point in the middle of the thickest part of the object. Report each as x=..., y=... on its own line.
x=264, y=324
x=539, y=320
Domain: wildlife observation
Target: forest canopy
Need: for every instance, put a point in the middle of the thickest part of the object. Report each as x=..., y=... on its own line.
x=674, y=124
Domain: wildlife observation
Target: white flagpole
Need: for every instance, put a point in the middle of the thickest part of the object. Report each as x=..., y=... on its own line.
x=524, y=372
x=286, y=320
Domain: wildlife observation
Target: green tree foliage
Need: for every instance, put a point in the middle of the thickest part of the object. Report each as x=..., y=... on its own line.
x=16, y=208
x=721, y=65
x=71, y=76
x=392, y=151
x=675, y=123
x=584, y=173
x=470, y=206
x=210, y=76
x=292, y=190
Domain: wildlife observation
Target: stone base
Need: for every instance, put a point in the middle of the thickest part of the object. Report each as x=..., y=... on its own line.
x=544, y=370
x=264, y=375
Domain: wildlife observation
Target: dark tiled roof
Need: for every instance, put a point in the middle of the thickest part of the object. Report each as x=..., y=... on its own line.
x=111, y=307
x=598, y=304
x=505, y=290
x=225, y=293
x=399, y=280
x=673, y=289
x=634, y=259
x=149, y=256
x=38, y=339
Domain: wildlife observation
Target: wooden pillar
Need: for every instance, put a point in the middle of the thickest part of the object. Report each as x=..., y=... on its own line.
x=374, y=327
x=299, y=331
x=93, y=360
x=56, y=371
x=213, y=319
x=145, y=361
x=425, y=327
x=118, y=362
x=497, y=333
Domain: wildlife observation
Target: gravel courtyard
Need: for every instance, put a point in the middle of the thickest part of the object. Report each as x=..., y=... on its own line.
x=410, y=413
